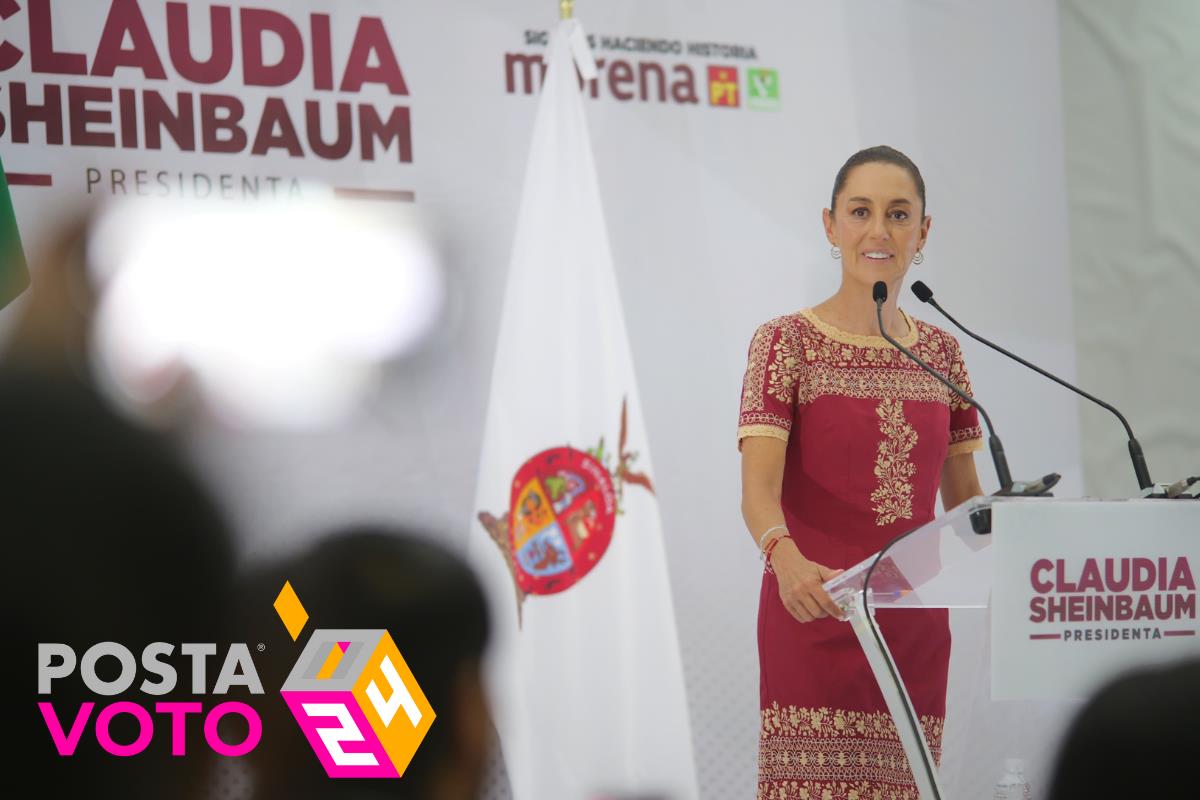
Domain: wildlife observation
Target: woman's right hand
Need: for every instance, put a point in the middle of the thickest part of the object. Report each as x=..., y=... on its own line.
x=800, y=583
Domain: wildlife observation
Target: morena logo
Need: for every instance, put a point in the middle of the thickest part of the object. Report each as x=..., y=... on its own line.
x=646, y=70
x=347, y=691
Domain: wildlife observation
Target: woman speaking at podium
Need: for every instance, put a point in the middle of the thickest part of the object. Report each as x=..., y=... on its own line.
x=845, y=443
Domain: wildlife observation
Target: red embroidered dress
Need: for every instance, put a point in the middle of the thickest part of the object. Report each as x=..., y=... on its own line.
x=867, y=433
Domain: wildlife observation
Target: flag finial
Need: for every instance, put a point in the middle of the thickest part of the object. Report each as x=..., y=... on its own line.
x=566, y=9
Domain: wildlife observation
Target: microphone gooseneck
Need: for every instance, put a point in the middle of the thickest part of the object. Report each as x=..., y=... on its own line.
x=925, y=295
x=879, y=293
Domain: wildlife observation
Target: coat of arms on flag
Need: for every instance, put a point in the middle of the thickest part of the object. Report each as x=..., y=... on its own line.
x=561, y=514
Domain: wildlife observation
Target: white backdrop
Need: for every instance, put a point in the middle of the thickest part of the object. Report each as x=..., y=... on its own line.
x=714, y=216
x=1132, y=109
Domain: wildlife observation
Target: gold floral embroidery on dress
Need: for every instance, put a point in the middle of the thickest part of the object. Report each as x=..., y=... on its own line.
x=966, y=434
x=965, y=440
x=818, y=753
x=958, y=374
x=838, y=354
x=775, y=429
x=784, y=369
x=798, y=358
x=892, y=499
x=773, y=370
x=870, y=382
x=858, y=340
x=756, y=369
x=843, y=364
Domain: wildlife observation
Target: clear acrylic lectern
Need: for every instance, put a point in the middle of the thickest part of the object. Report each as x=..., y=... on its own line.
x=1003, y=567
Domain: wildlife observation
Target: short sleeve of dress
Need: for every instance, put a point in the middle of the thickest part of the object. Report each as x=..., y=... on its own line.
x=769, y=389
x=966, y=435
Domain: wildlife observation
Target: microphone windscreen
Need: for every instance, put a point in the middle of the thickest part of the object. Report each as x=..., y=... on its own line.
x=923, y=292
x=879, y=291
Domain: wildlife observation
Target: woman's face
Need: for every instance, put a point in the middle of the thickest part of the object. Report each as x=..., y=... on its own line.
x=877, y=224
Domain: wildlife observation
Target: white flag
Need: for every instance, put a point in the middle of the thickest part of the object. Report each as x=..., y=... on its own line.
x=585, y=673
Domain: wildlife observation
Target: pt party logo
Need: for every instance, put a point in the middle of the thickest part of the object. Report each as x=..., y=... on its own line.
x=351, y=692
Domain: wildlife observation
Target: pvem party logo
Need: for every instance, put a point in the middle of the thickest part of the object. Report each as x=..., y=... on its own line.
x=354, y=697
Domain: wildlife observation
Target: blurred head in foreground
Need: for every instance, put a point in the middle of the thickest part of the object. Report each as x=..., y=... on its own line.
x=1137, y=737
x=108, y=538
x=434, y=608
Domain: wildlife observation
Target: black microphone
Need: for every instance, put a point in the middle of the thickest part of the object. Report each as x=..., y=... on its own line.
x=879, y=292
x=925, y=295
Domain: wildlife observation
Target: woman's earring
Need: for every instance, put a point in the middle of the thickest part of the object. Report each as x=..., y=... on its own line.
x=919, y=257
x=835, y=251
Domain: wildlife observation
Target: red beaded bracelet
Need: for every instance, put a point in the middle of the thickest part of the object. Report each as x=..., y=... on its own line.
x=771, y=546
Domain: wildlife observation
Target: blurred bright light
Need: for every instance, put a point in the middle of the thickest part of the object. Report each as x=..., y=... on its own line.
x=278, y=313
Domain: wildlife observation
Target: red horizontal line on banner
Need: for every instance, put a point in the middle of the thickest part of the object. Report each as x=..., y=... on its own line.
x=395, y=195
x=28, y=179
x=1179, y=633
x=1045, y=636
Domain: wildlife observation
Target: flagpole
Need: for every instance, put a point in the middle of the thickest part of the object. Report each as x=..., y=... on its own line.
x=566, y=9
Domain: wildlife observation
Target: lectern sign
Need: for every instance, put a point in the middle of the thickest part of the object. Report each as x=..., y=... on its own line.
x=1084, y=590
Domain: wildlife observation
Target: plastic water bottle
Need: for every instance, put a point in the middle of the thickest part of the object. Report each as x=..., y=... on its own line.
x=1012, y=784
